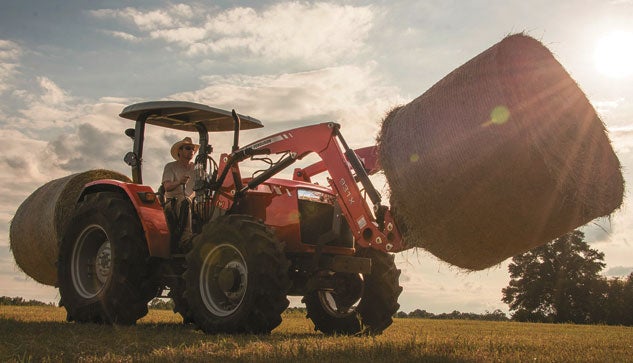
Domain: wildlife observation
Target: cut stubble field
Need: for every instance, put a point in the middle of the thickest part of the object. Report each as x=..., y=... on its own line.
x=41, y=334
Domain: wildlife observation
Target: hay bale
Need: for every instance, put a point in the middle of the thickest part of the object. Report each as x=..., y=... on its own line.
x=36, y=228
x=502, y=155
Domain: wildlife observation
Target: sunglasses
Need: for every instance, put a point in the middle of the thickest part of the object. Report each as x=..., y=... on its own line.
x=187, y=148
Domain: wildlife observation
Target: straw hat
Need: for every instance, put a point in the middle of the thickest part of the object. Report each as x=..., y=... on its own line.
x=181, y=143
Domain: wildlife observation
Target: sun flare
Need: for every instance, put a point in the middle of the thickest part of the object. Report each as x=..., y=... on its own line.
x=614, y=54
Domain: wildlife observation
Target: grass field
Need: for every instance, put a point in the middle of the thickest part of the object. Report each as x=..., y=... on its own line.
x=41, y=334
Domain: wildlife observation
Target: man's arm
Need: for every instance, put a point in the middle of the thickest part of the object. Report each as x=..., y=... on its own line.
x=171, y=180
x=171, y=185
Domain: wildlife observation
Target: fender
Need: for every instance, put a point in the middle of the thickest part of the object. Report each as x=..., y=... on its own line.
x=149, y=212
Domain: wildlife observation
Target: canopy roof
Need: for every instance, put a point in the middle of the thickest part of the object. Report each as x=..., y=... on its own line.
x=183, y=116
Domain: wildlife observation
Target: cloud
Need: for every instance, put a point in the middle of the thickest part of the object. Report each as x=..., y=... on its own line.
x=123, y=35
x=598, y=231
x=23, y=160
x=88, y=148
x=147, y=21
x=55, y=134
x=10, y=53
x=438, y=287
x=9, y=50
x=52, y=94
x=622, y=139
x=312, y=33
x=604, y=107
x=7, y=264
x=28, y=163
x=350, y=95
x=94, y=145
x=619, y=271
x=44, y=108
x=186, y=36
x=321, y=31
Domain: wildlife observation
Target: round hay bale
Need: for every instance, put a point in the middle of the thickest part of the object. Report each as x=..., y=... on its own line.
x=502, y=155
x=36, y=228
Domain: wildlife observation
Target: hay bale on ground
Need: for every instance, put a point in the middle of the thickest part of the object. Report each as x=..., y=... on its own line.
x=502, y=155
x=36, y=228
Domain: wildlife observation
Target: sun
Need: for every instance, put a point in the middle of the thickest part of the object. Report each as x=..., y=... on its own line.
x=614, y=54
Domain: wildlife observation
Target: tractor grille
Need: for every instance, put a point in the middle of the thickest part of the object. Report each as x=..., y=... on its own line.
x=319, y=215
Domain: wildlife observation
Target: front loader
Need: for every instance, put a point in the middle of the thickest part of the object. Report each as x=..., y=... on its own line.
x=256, y=239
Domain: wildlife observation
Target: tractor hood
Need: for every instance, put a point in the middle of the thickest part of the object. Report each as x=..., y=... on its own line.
x=183, y=116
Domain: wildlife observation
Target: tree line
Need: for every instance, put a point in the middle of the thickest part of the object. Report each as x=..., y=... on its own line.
x=159, y=304
x=19, y=301
x=496, y=315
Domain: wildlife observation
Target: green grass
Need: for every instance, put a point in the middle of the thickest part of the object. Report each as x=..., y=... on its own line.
x=41, y=334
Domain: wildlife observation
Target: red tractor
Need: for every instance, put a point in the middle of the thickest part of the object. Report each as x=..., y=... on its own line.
x=257, y=239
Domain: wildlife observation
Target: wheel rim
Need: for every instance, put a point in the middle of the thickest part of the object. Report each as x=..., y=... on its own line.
x=342, y=301
x=223, y=280
x=91, y=262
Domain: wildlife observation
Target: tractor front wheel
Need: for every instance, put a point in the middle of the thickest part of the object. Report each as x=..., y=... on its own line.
x=380, y=295
x=339, y=310
x=103, y=275
x=237, y=277
x=333, y=311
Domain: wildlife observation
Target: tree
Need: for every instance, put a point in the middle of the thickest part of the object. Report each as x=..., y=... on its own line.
x=617, y=306
x=417, y=313
x=627, y=318
x=556, y=282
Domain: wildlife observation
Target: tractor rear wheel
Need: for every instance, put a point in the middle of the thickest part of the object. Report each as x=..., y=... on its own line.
x=335, y=311
x=103, y=273
x=237, y=277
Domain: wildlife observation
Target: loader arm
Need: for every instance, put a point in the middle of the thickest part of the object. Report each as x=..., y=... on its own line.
x=377, y=230
x=367, y=155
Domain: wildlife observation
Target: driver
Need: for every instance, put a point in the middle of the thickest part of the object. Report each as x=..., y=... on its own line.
x=178, y=183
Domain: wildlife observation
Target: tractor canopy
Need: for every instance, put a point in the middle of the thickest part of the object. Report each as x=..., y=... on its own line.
x=183, y=116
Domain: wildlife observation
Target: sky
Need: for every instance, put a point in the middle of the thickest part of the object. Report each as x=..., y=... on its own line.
x=67, y=69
